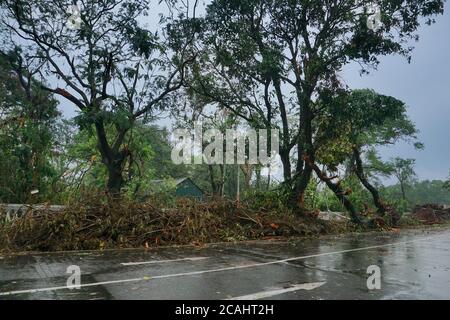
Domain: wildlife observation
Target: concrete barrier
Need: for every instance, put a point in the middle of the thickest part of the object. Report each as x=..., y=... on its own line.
x=10, y=211
x=333, y=216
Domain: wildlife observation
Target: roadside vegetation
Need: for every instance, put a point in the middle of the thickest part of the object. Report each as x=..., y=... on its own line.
x=253, y=64
x=96, y=223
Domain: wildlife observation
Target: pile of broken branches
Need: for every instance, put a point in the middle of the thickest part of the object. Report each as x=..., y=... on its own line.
x=94, y=224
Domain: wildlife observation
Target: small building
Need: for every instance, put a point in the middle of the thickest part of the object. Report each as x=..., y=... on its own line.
x=184, y=188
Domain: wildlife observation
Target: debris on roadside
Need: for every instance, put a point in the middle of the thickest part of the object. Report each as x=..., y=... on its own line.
x=98, y=224
x=432, y=213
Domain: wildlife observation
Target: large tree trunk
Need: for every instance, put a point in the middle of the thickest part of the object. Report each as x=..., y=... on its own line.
x=284, y=148
x=113, y=158
x=305, y=149
x=359, y=169
x=300, y=185
x=284, y=156
x=115, y=179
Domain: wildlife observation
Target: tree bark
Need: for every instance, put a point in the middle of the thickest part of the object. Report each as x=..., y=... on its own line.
x=217, y=185
x=300, y=185
x=359, y=170
x=224, y=173
x=305, y=150
x=115, y=180
x=112, y=158
x=212, y=180
x=284, y=156
x=258, y=178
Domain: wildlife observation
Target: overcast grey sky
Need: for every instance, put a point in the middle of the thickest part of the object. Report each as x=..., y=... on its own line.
x=424, y=85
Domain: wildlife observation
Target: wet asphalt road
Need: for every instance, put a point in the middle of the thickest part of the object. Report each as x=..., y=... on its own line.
x=414, y=265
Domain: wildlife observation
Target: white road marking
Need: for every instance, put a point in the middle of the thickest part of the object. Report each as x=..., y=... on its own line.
x=65, y=287
x=162, y=261
x=271, y=293
x=254, y=265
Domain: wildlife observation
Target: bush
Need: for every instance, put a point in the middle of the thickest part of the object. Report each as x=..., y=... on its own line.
x=267, y=200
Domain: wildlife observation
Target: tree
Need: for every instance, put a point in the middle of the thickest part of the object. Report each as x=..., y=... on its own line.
x=447, y=184
x=106, y=64
x=269, y=60
x=29, y=120
x=419, y=193
x=403, y=170
x=194, y=113
x=354, y=125
x=149, y=159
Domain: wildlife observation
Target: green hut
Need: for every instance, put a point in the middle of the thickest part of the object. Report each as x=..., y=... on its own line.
x=184, y=188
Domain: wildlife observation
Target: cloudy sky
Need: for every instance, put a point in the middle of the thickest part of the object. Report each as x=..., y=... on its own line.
x=424, y=85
